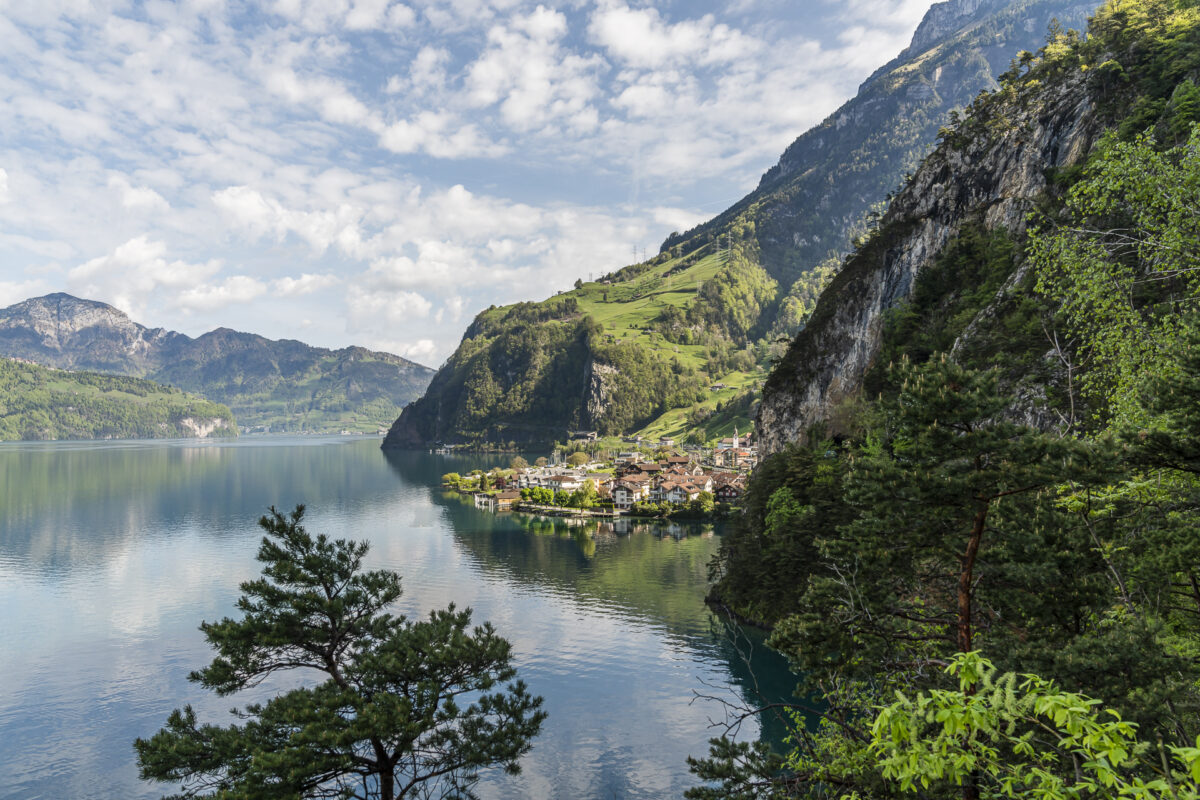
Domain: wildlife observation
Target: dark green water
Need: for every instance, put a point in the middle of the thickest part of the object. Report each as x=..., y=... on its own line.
x=112, y=553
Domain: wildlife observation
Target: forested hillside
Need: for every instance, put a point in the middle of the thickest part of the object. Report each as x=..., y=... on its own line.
x=679, y=345
x=40, y=403
x=976, y=541
x=278, y=385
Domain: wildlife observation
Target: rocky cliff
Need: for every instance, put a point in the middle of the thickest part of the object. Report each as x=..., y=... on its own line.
x=278, y=384
x=995, y=179
x=707, y=310
x=1014, y=150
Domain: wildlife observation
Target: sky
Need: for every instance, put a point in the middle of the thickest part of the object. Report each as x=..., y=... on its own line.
x=375, y=172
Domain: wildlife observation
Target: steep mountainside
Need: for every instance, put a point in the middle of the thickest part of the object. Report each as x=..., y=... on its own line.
x=41, y=403
x=945, y=269
x=681, y=343
x=284, y=385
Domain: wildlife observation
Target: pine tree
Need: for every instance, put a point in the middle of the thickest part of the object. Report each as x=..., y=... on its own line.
x=388, y=720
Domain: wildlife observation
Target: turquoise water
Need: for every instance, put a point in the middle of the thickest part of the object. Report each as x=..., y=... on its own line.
x=112, y=553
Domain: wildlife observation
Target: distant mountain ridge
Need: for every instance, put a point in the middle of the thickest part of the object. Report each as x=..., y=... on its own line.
x=285, y=385
x=680, y=344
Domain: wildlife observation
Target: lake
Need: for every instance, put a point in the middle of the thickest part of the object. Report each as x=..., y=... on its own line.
x=112, y=553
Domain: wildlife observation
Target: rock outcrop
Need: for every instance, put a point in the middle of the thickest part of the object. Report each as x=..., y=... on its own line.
x=773, y=244
x=991, y=170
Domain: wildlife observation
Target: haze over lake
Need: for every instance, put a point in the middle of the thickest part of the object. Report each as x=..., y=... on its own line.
x=112, y=553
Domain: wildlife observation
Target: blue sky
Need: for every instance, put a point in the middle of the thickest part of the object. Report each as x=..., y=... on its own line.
x=376, y=172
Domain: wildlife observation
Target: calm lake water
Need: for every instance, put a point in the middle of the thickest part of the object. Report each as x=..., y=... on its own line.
x=112, y=553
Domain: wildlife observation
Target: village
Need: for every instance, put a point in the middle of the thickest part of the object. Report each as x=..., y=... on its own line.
x=651, y=479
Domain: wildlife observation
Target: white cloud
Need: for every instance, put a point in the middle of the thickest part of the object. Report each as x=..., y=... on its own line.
x=137, y=198
x=133, y=271
x=438, y=134
x=678, y=219
x=431, y=156
x=305, y=284
x=372, y=308
x=420, y=351
x=642, y=38
x=16, y=291
x=532, y=77
x=426, y=73
x=234, y=289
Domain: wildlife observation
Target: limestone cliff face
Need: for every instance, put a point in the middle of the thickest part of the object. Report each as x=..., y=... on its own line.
x=993, y=173
x=601, y=384
x=69, y=333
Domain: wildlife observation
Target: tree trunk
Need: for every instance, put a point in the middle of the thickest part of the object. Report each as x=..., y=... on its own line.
x=970, y=789
x=965, y=579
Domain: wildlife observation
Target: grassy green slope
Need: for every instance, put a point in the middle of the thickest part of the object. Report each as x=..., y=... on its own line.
x=41, y=403
x=719, y=302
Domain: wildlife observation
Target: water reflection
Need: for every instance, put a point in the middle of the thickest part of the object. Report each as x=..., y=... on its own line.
x=112, y=553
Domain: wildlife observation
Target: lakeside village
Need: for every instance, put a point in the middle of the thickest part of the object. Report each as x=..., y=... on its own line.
x=654, y=479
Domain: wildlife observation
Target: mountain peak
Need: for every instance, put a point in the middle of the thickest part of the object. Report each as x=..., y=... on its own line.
x=945, y=18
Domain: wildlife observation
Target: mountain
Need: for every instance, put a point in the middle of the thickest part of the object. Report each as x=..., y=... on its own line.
x=41, y=403
x=282, y=385
x=947, y=269
x=681, y=343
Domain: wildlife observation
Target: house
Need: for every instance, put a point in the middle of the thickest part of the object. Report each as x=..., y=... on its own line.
x=583, y=436
x=734, y=442
x=505, y=500
x=626, y=457
x=680, y=460
x=599, y=479
x=730, y=492
x=681, y=492
x=564, y=483
x=640, y=468
x=627, y=492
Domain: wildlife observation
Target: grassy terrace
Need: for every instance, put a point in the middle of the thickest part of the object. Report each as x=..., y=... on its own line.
x=627, y=308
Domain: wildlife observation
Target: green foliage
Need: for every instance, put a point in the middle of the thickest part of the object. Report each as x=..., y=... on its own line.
x=716, y=298
x=947, y=295
x=765, y=561
x=952, y=528
x=1122, y=263
x=41, y=403
x=404, y=708
x=1024, y=738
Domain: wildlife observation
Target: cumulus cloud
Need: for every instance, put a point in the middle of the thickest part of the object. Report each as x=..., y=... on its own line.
x=642, y=38
x=16, y=291
x=137, y=198
x=128, y=275
x=232, y=290
x=372, y=307
x=532, y=77
x=305, y=284
x=438, y=134
x=419, y=159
